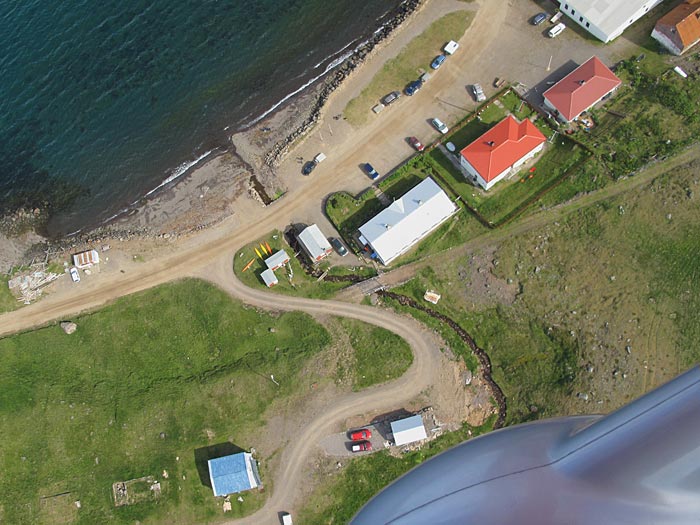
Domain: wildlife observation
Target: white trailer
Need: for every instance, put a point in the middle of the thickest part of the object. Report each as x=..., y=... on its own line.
x=450, y=47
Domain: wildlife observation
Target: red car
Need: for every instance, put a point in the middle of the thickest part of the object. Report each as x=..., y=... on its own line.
x=361, y=435
x=414, y=142
x=361, y=446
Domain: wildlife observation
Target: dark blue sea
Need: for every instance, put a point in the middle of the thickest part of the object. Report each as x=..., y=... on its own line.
x=102, y=101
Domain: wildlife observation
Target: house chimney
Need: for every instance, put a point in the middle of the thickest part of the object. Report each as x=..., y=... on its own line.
x=387, y=226
x=419, y=202
x=582, y=82
x=491, y=143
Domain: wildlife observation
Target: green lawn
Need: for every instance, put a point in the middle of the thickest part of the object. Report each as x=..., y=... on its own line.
x=408, y=64
x=301, y=283
x=345, y=491
x=516, y=105
x=379, y=355
x=7, y=300
x=138, y=389
x=348, y=213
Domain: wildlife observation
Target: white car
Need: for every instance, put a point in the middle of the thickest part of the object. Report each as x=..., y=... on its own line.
x=440, y=126
x=74, y=275
x=556, y=30
x=478, y=92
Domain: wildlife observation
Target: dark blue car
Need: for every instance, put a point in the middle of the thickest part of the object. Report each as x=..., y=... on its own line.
x=371, y=172
x=413, y=87
x=539, y=18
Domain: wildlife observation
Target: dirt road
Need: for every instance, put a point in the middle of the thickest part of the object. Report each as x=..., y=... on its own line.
x=428, y=362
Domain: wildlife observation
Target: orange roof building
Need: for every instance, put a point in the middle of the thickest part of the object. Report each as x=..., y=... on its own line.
x=679, y=29
x=584, y=87
x=501, y=150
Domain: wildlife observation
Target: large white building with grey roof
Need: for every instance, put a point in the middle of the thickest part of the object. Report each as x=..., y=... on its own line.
x=606, y=19
x=394, y=230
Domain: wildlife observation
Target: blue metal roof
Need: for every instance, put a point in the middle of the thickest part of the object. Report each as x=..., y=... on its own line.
x=230, y=474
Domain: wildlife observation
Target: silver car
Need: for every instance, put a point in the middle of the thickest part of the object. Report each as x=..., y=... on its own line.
x=478, y=92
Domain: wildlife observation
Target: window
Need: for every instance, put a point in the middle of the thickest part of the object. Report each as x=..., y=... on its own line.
x=588, y=24
x=580, y=19
x=566, y=7
x=573, y=12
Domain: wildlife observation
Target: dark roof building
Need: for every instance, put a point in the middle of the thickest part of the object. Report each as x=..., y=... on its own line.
x=679, y=29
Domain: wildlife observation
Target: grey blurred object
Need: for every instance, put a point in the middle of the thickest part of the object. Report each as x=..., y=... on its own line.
x=637, y=465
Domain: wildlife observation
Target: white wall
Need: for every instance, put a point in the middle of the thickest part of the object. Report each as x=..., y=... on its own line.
x=662, y=39
x=567, y=6
x=488, y=185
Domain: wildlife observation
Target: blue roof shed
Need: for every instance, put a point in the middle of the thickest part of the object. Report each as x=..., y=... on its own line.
x=235, y=473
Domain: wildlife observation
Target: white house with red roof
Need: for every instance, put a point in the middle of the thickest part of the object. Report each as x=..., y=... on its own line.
x=501, y=151
x=584, y=87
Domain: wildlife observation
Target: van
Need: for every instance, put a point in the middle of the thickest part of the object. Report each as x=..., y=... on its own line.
x=556, y=30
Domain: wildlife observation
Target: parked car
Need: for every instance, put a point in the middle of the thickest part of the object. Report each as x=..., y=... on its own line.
x=287, y=519
x=478, y=92
x=338, y=246
x=361, y=446
x=416, y=144
x=361, y=435
x=538, y=19
x=440, y=126
x=74, y=275
x=371, y=171
x=413, y=87
x=437, y=62
x=391, y=98
x=556, y=30
x=308, y=167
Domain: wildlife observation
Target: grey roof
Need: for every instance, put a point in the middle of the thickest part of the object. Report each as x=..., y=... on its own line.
x=608, y=15
x=269, y=277
x=277, y=259
x=640, y=464
x=407, y=220
x=408, y=430
x=314, y=242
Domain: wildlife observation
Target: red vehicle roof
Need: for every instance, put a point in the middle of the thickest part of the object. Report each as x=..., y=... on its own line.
x=582, y=88
x=502, y=146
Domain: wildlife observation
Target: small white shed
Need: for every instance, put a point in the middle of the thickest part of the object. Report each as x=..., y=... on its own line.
x=451, y=47
x=408, y=430
x=277, y=260
x=269, y=278
x=86, y=259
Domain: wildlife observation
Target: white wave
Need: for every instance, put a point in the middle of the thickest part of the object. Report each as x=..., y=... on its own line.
x=335, y=63
x=177, y=173
x=334, y=54
x=379, y=29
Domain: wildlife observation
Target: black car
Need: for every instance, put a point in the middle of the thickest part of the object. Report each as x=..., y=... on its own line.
x=391, y=98
x=413, y=87
x=308, y=167
x=338, y=246
x=538, y=19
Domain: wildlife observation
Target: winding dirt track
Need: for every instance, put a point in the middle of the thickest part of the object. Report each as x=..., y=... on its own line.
x=427, y=362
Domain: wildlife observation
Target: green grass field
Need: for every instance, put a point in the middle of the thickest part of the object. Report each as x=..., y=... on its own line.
x=345, y=491
x=378, y=355
x=7, y=300
x=408, y=64
x=141, y=383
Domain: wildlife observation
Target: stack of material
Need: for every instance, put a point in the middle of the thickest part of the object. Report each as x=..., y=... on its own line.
x=27, y=287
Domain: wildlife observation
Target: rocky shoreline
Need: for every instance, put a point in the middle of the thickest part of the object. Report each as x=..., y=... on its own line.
x=333, y=82
x=259, y=168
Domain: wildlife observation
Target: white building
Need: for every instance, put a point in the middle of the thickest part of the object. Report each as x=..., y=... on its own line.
x=277, y=260
x=606, y=19
x=408, y=430
x=314, y=243
x=500, y=151
x=269, y=278
x=407, y=220
x=86, y=259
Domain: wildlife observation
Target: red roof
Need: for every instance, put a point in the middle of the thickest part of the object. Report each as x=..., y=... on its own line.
x=682, y=24
x=582, y=88
x=502, y=146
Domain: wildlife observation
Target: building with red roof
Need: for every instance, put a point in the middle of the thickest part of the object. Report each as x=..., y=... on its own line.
x=679, y=29
x=584, y=87
x=501, y=150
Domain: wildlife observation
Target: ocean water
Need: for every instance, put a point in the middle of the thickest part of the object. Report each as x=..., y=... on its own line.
x=100, y=102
